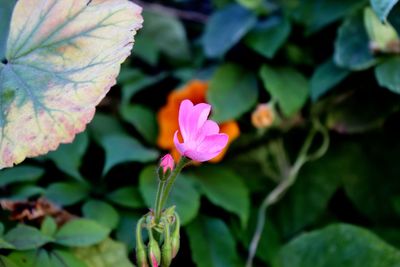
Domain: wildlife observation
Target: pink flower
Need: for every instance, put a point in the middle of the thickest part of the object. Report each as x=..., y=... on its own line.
x=167, y=163
x=201, y=138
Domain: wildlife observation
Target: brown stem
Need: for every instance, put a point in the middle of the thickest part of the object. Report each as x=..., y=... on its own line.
x=182, y=14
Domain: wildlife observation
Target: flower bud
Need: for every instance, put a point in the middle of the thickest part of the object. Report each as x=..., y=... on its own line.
x=175, y=238
x=153, y=250
x=263, y=116
x=167, y=165
x=141, y=256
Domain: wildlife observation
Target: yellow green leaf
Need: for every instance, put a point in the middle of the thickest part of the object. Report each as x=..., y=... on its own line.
x=62, y=57
x=109, y=253
x=381, y=34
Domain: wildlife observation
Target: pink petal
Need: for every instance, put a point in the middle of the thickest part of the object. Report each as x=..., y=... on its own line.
x=209, y=128
x=213, y=143
x=200, y=156
x=185, y=110
x=195, y=120
x=179, y=146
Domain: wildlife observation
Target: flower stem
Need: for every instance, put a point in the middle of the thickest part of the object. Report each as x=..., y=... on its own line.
x=158, y=207
x=164, y=187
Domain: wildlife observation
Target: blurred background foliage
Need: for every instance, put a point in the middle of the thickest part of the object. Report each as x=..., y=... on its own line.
x=330, y=63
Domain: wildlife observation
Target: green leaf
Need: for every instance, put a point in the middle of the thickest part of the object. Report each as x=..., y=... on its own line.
x=137, y=81
x=6, y=8
x=381, y=35
x=43, y=258
x=166, y=35
x=232, y=92
x=225, y=28
x=24, y=237
x=5, y=245
x=143, y=119
x=370, y=180
x=104, y=125
x=101, y=212
x=108, y=253
x=325, y=77
x=336, y=246
x=80, y=233
x=6, y=262
x=68, y=157
x=183, y=195
x=287, y=86
x=316, y=14
x=124, y=231
x=352, y=44
x=383, y=7
x=251, y=4
x=49, y=226
x=20, y=174
x=122, y=148
x=211, y=243
x=235, y=198
x=54, y=78
x=27, y=191
x=67, y=193
x=388, y=74
x=127, y=197
x=268, y=36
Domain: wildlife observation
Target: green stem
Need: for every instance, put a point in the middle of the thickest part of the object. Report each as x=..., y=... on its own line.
x=158, y=207
x=164, y=187
x=284, y=185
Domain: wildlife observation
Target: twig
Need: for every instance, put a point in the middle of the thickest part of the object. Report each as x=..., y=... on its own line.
x=274, y=196
x=182, y=14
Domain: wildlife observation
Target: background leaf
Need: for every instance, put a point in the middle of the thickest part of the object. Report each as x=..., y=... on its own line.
x=81, y=233
x=338, y=245
x=287, y=86
x=162, y=34
x=68, y=157
x=232, y=91
x=66, y=194
x=108, y=253
x=25, y=237
x=129, y=197
x=121, y=148
x=214, y=182
x=325, y=77
x=101, y=212
x=352, y=44
x=388, y=75
x=236, y=21
x=268, y=36
x=211, y=243
x=19, y=174
x=383, y=7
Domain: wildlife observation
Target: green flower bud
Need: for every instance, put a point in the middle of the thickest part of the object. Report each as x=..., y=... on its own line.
x=154, y=252
x=166, y=251
x=175, y=238
x=141, y=256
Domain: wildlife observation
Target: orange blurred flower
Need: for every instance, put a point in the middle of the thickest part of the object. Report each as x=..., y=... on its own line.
x=167, y=117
